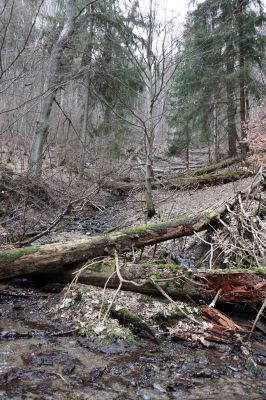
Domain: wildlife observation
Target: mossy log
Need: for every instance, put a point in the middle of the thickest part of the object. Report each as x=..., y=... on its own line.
x=233, y=286
x=25, y=260
x=181, y=182
x=127, y=317
x=190, y=182
x=215, y=167
x=47, y=257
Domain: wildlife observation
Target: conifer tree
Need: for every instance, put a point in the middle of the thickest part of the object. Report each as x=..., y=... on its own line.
x=224, y=48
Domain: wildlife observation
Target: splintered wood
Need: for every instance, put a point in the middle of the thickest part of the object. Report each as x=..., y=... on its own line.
x=221, y=324
x=234, y=286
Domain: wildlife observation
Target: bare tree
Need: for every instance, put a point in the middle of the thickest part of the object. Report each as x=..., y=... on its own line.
x=156, y=67
x=52, y=84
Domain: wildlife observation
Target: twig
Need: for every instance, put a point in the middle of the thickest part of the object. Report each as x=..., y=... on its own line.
x=258, y=317
x=111, y=303
x=84, y=267
x=158, y=287
x=54, y=223
x=212, y=304
x=104, y=290
x=211, y=249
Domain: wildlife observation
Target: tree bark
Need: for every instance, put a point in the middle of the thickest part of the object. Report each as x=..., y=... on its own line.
x=149, y=181
x=215, y=167
x=149, y=125
x=84, y=126
x=234, y=286
x=242, y=83
x=186, y=181
x=48, y=257
x=53, y=83
x=231, y=106
x=203, y=180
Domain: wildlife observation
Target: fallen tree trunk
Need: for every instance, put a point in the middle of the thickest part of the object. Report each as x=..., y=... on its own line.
x=215, y=167
x=25, y=260
x=233, y=286
x=190, y=182
x=179, y=182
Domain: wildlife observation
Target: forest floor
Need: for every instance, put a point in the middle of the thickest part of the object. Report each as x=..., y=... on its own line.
x=26, y=210
x=43, y=356
x=53, y=339
x=78, y=341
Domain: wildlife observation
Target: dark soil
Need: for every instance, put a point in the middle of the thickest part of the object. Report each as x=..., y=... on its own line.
x=43, y=358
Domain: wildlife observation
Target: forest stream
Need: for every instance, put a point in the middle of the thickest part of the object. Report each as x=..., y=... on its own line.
x=132, y=200
x=43, y=359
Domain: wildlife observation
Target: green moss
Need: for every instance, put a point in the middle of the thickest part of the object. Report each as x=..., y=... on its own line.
x=253, y=367
x=243, y=261
x=139, y=230
x=127, y=314
x=8, y=256
x=146, y=264
x=106, y=263
x=2, y=211
x=260, y=271
x=163, y=254
x=199, y=353
x=78, y=295
x=207, y=214
x=84, y=329
x=112, y=334
x=173, y=267
x=162, y=319
x=184, y=279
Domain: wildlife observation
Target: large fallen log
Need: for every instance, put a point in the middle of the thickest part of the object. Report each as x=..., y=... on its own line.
x=215, y=167
x=180, y=182
x=25, y=260
x=231, y=286
x=190, y=182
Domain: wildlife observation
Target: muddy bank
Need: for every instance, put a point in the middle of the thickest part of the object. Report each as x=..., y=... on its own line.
x=43, y=358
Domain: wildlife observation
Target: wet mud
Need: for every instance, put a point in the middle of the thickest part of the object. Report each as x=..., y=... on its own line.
x=100, y=220
x=43, y=358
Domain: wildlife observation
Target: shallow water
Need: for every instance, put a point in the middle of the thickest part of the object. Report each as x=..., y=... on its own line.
x=37, y=362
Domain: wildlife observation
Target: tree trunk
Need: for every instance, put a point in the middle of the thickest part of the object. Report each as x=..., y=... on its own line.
x=216, y=136
x=149, y=178
x=149, y=125
x=215, y=167
x=231, y=106
x=202, y=180
x=234, y=286
x=187, y=182
x=86, y=62
x=53, y=83
x=48, y=257
x=242, y=83
x=84, y=127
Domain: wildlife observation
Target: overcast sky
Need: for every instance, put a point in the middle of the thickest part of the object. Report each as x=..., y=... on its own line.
x=178, y=6
x=173, y=8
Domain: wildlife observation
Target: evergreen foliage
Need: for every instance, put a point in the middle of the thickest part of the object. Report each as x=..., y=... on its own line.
x=223, y=52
